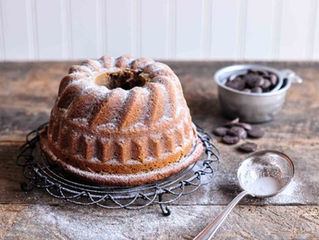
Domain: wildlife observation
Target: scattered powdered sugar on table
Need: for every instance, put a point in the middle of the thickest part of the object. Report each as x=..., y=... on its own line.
x=291, y=194
x=76, y=222
x=80, y=226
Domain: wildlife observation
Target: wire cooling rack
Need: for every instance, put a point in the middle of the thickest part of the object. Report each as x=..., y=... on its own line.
x=41, y=173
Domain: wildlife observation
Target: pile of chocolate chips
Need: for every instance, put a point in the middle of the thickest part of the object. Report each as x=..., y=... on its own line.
x=232, y=132
x=254, y=81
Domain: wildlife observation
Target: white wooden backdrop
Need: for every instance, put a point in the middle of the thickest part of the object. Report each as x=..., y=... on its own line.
x=166, y=29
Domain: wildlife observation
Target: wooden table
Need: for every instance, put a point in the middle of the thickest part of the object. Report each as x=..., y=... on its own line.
x=27, y=92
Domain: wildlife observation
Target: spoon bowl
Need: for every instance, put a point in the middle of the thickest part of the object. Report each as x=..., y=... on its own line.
x=265, y=173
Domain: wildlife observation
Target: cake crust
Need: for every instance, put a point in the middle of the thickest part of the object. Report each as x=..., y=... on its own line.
x=125, y=179
x=122, y=117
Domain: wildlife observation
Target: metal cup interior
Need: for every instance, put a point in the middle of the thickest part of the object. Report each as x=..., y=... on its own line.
x=269, y=164
x=223, y=74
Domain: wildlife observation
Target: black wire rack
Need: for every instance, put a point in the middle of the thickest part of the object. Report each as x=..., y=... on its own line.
x=41, y=173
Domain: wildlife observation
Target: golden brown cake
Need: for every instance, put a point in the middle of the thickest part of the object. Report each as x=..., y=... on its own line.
x=121, y=121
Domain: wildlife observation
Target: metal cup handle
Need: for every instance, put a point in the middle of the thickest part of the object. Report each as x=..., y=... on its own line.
x=291, y=76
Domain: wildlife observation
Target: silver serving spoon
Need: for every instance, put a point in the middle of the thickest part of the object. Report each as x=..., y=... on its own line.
x=262, y=174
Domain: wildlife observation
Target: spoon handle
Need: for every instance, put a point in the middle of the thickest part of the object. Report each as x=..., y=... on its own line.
x=211, y=229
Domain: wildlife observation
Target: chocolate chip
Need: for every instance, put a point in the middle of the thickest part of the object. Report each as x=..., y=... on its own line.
x=248, y=147
x=220, y=131
x=250, y=71
x=273, y=79
x=266, y=84
x=242, y=75
x=230, y=139
x=247, y=90
x=256, y=133
x=257, y=90
x=263, y=73
x=237, y=83
x=238, y=132
x=254, y=81
x=246, y=126
x=231, y=123
x=237, y=123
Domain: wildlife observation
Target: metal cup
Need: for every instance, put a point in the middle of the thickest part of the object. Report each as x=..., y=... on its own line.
x=253, y=107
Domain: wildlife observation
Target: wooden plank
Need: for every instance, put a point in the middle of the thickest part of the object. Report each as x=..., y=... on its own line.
x=315, y=49
x=15, y=30
x=49, y=17
x=225, y=29
x=118, y=27
x=22, y=109
x=303, y=190
x=232, y=34
x=294, y=40
x=293, y=132
x=84, y=29
x=154, y=29
x=259, y=29
x=171, y=28
x=26, y=97
x=206, y=29
x=27, y=93
x=235, y=29
x=31, y=107
x=188, y=29
x=2, y=47
x=41, y=84
x=73, y=222
x=12, y=177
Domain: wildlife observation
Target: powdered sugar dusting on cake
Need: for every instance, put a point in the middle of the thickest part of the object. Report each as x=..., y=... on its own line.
x=157, y=66
x=115, y=123
x=101, y=91
x=83, y=121
x=109, y=125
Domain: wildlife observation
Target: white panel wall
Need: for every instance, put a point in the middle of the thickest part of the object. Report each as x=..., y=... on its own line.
x=315, y=44
x=154, y=37
x=166, y=29
x=49, y=40
x=119, y=27
x=259, y=44
x=84, y=30
x=16, y=30
x=295, y=29
x=225, y=29
x=188, y=28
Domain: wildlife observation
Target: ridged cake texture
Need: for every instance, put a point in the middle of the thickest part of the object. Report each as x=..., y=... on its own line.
x=120, y=116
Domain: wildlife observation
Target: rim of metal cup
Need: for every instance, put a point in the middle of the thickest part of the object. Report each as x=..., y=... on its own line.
x=238, y=67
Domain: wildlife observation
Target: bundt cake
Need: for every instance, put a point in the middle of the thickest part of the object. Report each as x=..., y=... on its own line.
x=121, y=121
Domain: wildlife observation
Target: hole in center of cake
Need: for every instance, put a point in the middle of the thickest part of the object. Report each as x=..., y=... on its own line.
x=125, y=79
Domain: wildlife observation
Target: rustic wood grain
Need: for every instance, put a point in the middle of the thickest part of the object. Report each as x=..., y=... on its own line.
x=30, y=222
x=27, y=93
x=305, y=189
x=28, y=90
